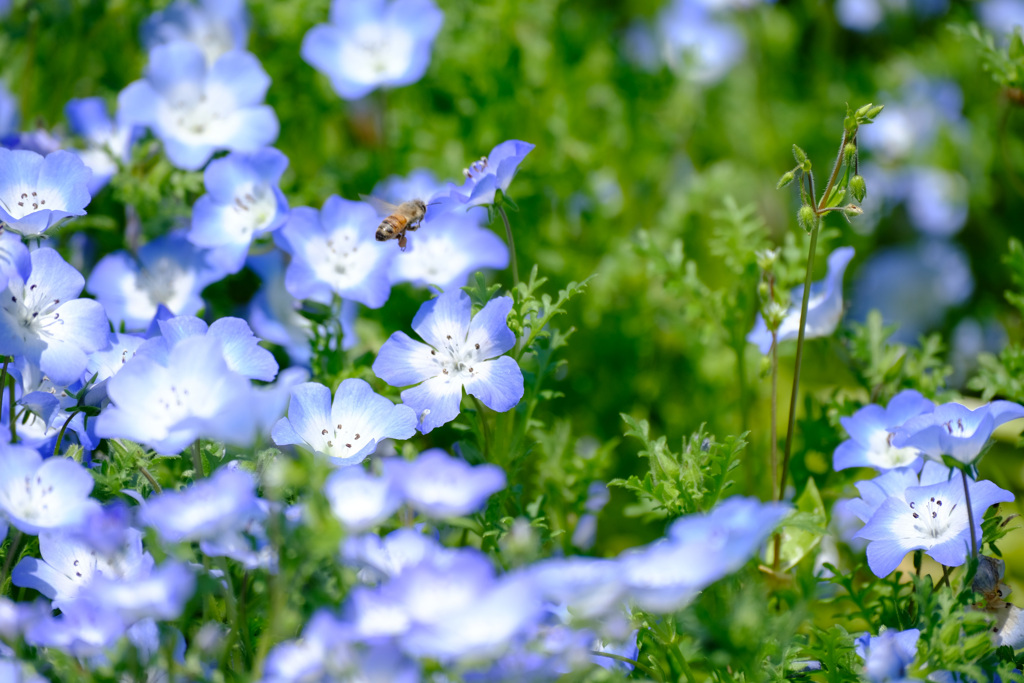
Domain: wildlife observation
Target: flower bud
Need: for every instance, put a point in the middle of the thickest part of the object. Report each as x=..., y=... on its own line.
x=858, y=187
x=852, y=210
x=801, y=159
x=763, y=291
x=774, y=314
x=806, y=217
x=766, y=259
x=786, y=179
x=848, y=152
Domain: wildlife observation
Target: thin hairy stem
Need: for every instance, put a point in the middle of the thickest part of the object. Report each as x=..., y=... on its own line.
x=3, y=383
x=152, y=480
x=511, y=250
x=970, y=515
x=12, y=551
x=60, y=434
x=11, y=417
x=619, y=658
x=774, y=446
x=833, y=178
x=197, y=461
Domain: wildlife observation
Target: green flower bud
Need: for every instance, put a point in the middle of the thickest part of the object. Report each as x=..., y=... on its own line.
x=786, y=179
x=852, y=210
x=848, y=152
x=763, y=291
x=858, y=187
x=806, y=217
x=766, y=259
x=801, y=159
x=875, y=111
x=774, y=314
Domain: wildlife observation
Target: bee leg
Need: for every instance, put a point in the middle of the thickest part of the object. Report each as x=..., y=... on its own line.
x=413, y=226
x=402, y=242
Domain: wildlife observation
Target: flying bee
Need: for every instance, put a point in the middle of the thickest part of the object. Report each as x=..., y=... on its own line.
x=399, y=218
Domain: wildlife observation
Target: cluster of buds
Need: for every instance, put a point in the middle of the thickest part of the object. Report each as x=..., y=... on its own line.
x=773, y=305
x=845, y=178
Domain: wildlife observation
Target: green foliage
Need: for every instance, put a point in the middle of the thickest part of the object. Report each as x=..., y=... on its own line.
x=1004, y=64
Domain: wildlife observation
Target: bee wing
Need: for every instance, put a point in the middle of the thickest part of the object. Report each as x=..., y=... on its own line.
x=383, y=208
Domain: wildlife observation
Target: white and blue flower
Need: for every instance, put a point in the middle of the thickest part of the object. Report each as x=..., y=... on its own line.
x=37, y=192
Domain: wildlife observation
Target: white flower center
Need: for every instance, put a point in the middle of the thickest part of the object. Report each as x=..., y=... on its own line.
x=883, y=453
x=338, y=261
x=158, y=280
x=34, y=314
x=456, y=359
x=255, y=207
x=933, y=518
x=958, y=429
x=33, y=498
x=23, y=200
x=341, y=442
x=476, y=170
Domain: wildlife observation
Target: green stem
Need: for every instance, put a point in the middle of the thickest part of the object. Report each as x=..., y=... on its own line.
x=232, y=611
x=970, y=516
x=152, y=480
x=60, y=434
x=197, y=461
x=3, y=383
x=511, y=250
x=619, y=658
x=799, y=357
x=12, y=551
x=774, y=446
x=10, y=415
x=484, y=429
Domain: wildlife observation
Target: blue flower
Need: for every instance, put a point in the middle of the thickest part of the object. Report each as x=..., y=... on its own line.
x=239, y=346
x=874, y=492
x=419, y=184
x=166, y=407
x=373, y=44
x=195, y=109
x=215, y=26
x=956, y=430
x=45, y=326
x=387, y=557
x=107, y=143
x=932, y=518
x=488, y=175
x=38, y=495
x=207, y=509
x=161, y=593
x=359, y=500
x=447, y=249
x=663, y=576
x=872, y=429
x=887, y=655
x=37, y=192
x=347, y=430
x=824, y=308
x=14, y=258
x=697, y=45
x=243, y=201
x=459, y=353
x=334, y=252
x=169, y=271
x=441, y=486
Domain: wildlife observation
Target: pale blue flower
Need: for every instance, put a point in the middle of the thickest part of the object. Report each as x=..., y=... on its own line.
x=197, y=109
x=459, y=353
x=107, y=143
x=38, y=495
x=387, y=557
x=360, y=500
x=206, y=510
x=955, y=430
x=696, y=44
x=215, y=26
x=872, y=429
x=1001, y=16
x=874, y=492
x=824, y=308
x=243, y=201
x=488, y=175
x=37, y=192
x=441, y=486
x=373, y=44
x=448, y=248
x=888, y=655
x=239, y=346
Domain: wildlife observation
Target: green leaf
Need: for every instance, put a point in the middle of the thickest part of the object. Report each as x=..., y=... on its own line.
x=802, y=531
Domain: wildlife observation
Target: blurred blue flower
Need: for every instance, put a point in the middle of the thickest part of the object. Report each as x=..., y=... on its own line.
x=373, y=44
x=206, y=510
x=78, y=632
x=871, y=431
x=14, y=258
x=161, y=593
x=107, y=143
x=360, y=500
x=956, y=430
x=824, y=308
x=588, y=587
x=69, y=565
x=936, y=201
x=663, y=577
x=459, y=353
x=215, y=26
x=887, y=655
x=447, y=250
x=488, y=175
x=419, y=184
x=932, y=518
x=860, y=15
x=9, y=112
x=912, y=286
x=45, y=326
x=334, y=252
x=195, y=109
x=38, y=495
x=243, y=201
x=1001, y=16
x=38, y=192
x=168, y=271
x=440, y=486
x=348, y=429
x=913, y=118
x=695, y=44
x=240, y=347
x=166, y=407
x=386, y=557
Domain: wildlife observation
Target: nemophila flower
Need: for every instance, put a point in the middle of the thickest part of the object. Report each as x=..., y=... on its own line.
x=931, y=518
x=1001, y=16
x=697, y=45
x=107, y=143
x=40, y=140
x=913, y=120
x=874, y=492
x=888, y=655
x=447, y=250
x=419, y=184
x=196, y=109
x=37, y=192
x=205, y=510
x=913, y=286
x=38, y=495
x=195, y=395
x=824, y=308
x=663, y=576
x=360, y=500
x=69, y=565
x=459, y=353
x=79, y=632
x=14, y=258
x=161, y=593
x=440, y=486
x=215, y=26
x=936, y=201
x=334, y=252
x=274, y=313
x=488, y=175
x=373, y=44
x=872, y=429
x=170, y=270
x=242, y=202
x=956, y=430
x=388, y=556
x=44, y=325
x=588, y=587
x=346, y=429
x=239, y=346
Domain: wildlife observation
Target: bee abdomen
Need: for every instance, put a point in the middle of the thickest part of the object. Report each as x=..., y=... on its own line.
x=390, y=227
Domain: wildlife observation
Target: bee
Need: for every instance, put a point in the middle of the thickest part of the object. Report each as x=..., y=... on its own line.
x=400, y=218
